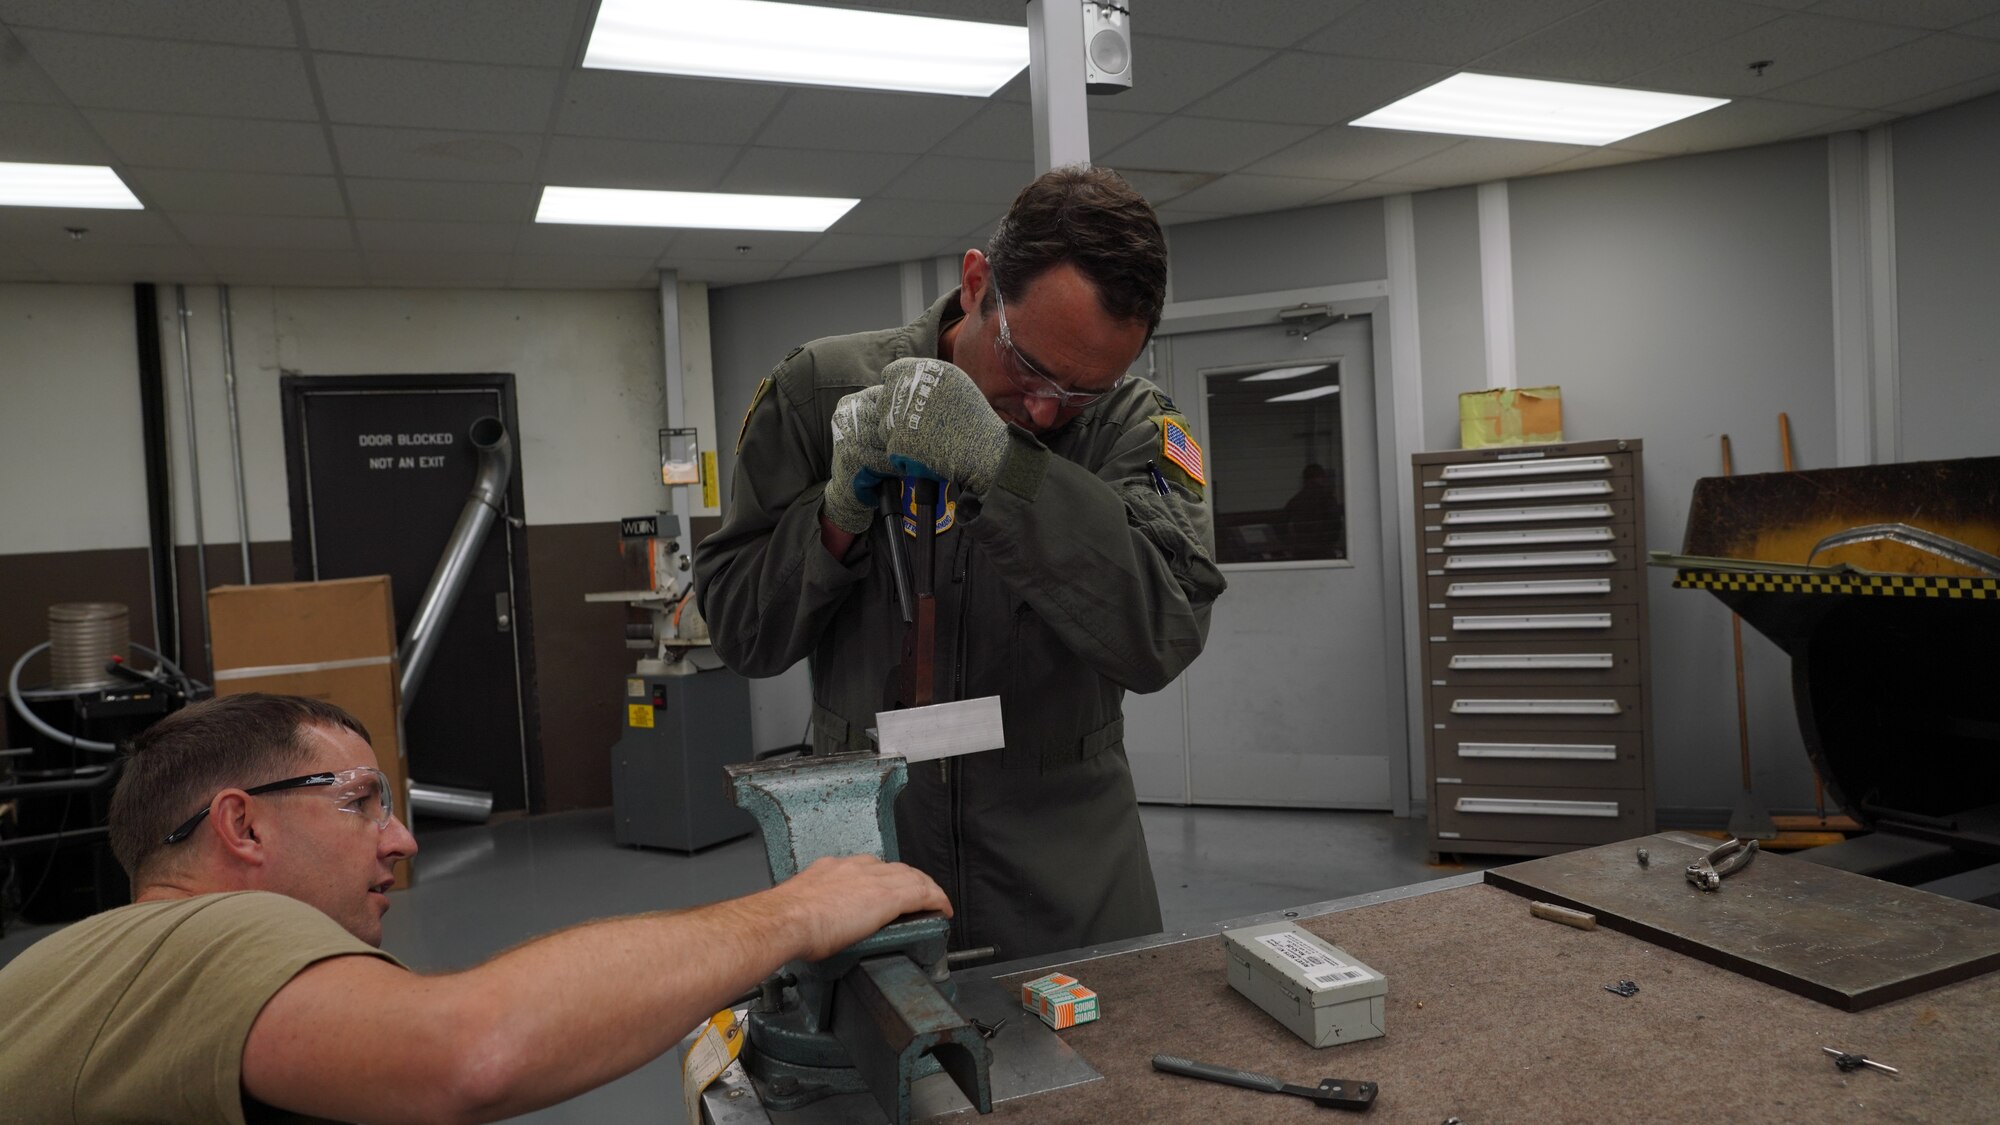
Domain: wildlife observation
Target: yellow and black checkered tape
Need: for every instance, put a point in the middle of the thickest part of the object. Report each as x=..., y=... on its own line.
x=1865, y=585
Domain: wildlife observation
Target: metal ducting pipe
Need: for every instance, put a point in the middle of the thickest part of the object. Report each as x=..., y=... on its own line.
x=483, y=505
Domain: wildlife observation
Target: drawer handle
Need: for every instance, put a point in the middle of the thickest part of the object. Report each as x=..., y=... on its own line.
x=1534, y=621
x=1530, y=661
x=1549, y=490
x=1544, y=751
x=1530, y=515
x=1524, y=806
x=1534, y=559
x=1552, y=587
x=1529, y=538
x=1536, y=707
x=1492, y=471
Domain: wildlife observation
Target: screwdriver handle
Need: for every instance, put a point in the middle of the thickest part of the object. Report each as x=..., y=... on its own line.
x=1173, y=1064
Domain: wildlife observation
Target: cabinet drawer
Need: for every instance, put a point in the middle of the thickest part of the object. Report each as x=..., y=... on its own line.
x=1513, y=539
x=1506, y=468
x=1466, y=591
x=1438, y=496
x=1558, y=816
x=1558, y=513
x=1576, y=662
x=1543, y=562
x=1565, y=707
x=1610, y=622
x=1543, y=758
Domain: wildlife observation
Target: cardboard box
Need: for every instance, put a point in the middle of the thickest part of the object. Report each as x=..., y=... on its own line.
x=1510, y=416
x=1061, y=1001
x=1319, y=991
x=334, y=641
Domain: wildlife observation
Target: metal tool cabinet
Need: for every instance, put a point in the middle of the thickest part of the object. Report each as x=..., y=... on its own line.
x=1537, y=703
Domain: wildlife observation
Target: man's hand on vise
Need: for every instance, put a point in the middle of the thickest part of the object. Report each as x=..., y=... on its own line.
x=839, y=900
x=936, y=423
x=860, y=464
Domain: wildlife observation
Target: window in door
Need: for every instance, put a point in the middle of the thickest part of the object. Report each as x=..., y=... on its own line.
x=1278, y=489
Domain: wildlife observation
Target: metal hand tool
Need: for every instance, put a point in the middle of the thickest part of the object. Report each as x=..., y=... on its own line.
x=1726, y=858
x=1339, y=1093
x=1847, y=1062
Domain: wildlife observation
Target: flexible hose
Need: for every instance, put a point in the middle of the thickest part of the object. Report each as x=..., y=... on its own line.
x=35, y=721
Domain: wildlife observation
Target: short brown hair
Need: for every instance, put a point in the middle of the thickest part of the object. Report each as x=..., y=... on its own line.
x=180, y=763
x=1092, y=219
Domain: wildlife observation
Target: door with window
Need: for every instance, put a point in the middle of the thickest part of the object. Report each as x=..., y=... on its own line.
x=1292, y=703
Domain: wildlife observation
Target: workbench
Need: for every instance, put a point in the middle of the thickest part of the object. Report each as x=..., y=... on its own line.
x=1492, y=1016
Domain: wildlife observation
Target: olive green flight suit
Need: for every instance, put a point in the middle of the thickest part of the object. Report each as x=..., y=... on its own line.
x=1084, y=572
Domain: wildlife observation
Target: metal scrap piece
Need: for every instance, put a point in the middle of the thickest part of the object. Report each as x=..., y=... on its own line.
x=1624, y=988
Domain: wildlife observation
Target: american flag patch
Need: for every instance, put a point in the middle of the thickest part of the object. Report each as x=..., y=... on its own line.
x=1178, y=446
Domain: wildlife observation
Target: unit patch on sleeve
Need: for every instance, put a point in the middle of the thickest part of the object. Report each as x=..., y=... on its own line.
x=1178, y=446
x=763, y=389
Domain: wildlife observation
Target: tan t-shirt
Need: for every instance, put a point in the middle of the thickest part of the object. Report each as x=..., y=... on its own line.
x=140, y=1013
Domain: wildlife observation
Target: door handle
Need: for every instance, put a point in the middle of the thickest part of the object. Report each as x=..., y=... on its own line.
x=503, y=612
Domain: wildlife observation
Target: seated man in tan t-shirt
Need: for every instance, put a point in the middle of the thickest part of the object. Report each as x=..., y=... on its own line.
x=243, y=983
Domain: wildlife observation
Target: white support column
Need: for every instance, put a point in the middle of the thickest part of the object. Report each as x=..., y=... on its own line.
x=1056, y=83
x=1496, y=283
x=673, y=396
x=1861, y=209
x=1406, y=385
x=913, y=291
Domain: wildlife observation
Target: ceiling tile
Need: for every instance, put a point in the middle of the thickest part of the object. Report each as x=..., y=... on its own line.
x=1259, y=23
x=1169, y=73
x=1934, y=14
x=15, y=267
x=805, y=268
x=979, y=11
x=240, y=193
x=111, y=72
x=439, y=199
x=1444, y=32
x=1600, y=158
x=1796, y=46
x=1746, y=121
x=1347, y=153
x=792, y=171
x=1171, y=216
x=477, y=271
x=435, y=95
x=864, y=120
x=1203, y=145
x=429, y=154
x=266, y=232
x=255, y=25
x=583, y=239
x=722, y=273
x=595, y=162
x=1988, y=28
x=287, y=267
x=961, y=179
x=744, y=245
x=914, y=216
x=1308, y=89
x=443, y=237
x=1899, y=74
x=34, y=230
x=87, y=263
x=1950, y=95
x=1000, y=129
x=21, y=79
x=1619, y=38
x=48, y=134
x=1373, y=189
x=160, y=140
x=662, y=107
x=1481, y=160
x=1244, y=195
x=526, y=32
x=1158, y=187
x=565, y=271
x=869, y=248
x=1866, y=119
x=1110, y=128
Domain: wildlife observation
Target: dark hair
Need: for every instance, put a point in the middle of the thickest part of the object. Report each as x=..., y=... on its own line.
x=180, y=763
x=1092, y=219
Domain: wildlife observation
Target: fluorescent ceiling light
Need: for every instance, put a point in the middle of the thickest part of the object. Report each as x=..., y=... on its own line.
x=618, y=207
x=1284, y=373
x=1526, y=109
x=64, y=185
x=1311, y=392
x=806, y=44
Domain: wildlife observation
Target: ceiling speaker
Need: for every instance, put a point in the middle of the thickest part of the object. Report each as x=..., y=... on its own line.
x=1107, y=37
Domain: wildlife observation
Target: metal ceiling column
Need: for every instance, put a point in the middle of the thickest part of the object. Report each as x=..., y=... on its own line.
x=1056, y=83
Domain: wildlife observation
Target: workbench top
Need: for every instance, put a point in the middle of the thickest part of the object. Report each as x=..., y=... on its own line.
x=1496, y=1016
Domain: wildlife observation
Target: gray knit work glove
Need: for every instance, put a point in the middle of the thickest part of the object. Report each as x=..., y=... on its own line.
x=936, y=423
x=860, y=464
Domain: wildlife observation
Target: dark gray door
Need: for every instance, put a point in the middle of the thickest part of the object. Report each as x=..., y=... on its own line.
x=379, y=471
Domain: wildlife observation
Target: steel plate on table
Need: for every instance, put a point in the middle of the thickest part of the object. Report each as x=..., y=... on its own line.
x=1834, y=936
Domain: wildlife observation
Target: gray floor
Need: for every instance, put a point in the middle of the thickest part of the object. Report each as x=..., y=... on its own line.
x=482, y=889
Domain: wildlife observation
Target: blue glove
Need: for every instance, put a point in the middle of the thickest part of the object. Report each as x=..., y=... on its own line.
x=860, y=464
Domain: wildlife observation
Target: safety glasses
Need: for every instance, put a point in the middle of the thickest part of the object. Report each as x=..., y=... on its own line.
x=363, y=791
x=1030, y=378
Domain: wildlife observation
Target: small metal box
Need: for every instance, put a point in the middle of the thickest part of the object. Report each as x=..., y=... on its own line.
x=1325, y=996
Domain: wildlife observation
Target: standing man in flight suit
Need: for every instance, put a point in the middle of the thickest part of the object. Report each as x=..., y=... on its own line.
x=1074, y=555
